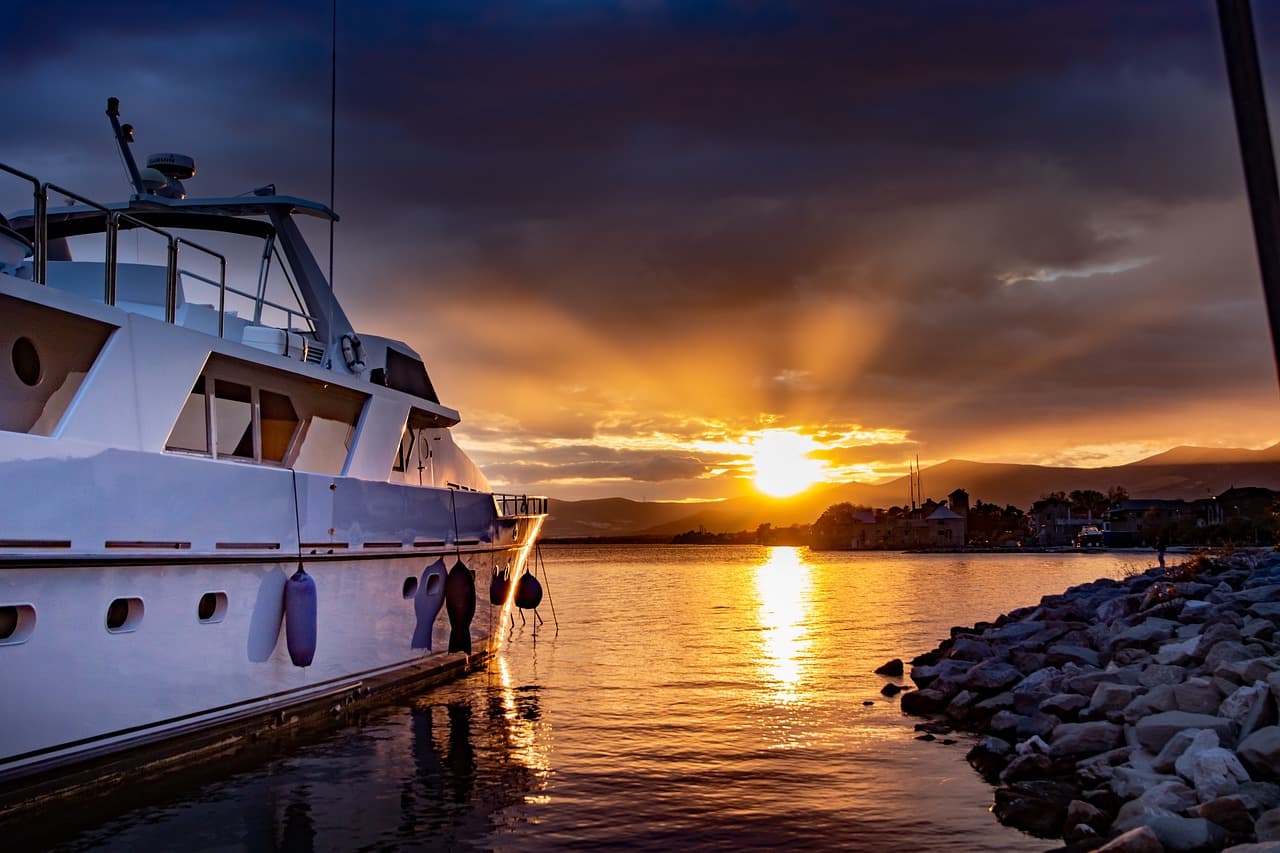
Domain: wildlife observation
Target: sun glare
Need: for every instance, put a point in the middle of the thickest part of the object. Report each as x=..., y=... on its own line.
x=782, y=463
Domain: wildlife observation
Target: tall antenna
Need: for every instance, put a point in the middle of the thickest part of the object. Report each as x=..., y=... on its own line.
x=333, y=136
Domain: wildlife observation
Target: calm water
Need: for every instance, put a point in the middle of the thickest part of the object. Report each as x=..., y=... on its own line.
x=692, y=697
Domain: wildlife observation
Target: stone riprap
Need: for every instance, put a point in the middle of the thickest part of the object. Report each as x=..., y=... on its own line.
x=1134, y=714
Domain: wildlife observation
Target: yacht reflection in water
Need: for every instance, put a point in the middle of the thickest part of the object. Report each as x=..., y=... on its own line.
x=452, y=768
x=782, y=587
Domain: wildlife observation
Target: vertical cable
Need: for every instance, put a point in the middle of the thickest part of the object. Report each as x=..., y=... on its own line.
x=333, y=145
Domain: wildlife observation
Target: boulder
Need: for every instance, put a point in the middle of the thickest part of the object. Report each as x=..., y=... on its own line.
x=990, y=676
x=1158, y=699
x=1259, y=796
x=967, y=648
x=1153, y=732
x=1178, y=652
x=924, y=702
x=1162, y=673
x=1113, y=697
x=1129, y=782
x=1038, y=807
x=1267, y=827
x=893, y=668
x=891, y=689
x=989, y=756
x=1060, y=653
x=1085, y=738
x=1065, y=706
x=1139, y=840
x=1197, y=696
x=1224, y=652
x=1228, y=812
x=1187, y=834
x=1145, y=633
x=1079, y=812
x=1239, y=704
x=1213, y=772
x=1260, y=753
x=1166, y=760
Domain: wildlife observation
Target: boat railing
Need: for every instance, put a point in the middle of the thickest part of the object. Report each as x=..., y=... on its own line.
x=514, y=505
x=258, y=301
x=113, y=221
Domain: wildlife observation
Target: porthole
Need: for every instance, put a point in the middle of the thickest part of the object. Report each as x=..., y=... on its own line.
x=410, y=587
x=434, y=581
x=17, y=621
x=124, y=615
x=26, y=361
x=212, y=607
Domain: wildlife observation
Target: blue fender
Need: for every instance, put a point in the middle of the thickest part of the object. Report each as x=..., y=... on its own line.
x=300, y=617
x=427, y=604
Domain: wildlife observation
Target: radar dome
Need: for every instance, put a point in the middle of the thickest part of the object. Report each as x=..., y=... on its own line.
x=174, y=166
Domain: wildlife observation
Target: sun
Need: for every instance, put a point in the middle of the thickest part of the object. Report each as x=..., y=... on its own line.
x=782, y=464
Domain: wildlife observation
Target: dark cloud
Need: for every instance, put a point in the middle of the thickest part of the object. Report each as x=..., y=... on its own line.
x=956, y=219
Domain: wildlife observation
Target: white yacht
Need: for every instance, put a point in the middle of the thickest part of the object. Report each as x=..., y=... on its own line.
x=220, y=501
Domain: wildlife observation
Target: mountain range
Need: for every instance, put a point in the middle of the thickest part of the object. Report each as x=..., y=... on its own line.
x=1183, y=472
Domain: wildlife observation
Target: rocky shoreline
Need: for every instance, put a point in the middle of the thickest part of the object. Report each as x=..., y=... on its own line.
x=1140, y=714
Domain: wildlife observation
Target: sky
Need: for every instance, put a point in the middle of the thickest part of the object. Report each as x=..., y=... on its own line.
x=631, y=237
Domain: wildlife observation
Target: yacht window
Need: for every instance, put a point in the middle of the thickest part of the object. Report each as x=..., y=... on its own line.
x=278, y=421
x=405, y=454
x=324, y=445
x=191, y=432
x=233, y=419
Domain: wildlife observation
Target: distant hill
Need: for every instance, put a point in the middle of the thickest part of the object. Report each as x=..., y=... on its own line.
x=1183, y=472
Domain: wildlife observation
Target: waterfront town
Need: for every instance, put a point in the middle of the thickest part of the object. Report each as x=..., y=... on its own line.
x=1081, y=519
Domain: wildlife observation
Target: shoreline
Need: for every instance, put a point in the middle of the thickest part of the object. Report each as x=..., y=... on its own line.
x=1132, y=714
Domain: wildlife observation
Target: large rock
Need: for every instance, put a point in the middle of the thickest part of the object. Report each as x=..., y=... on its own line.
x=989, y=756
x=1212, y=770
x=1085, y=738
x=1153, y=732
x=1240, y=704
x=1128, y=782
x=1226, y=651
x=1145, y=633
x=1065, y=706
x=922, y=703
x=1166, y=760
x=990, y=676
x=1140, y=840
x=1162, y=673
x=1157, y=700
x=893, y=668
x=1228, y=812
x=1060, y=653
x=1197, y=695
x=1187, y=834
x=967, y=648
x=1267, y=826
x=1179, y=652
x=1260, y=753
x=1113, y=697
x=1038, y=807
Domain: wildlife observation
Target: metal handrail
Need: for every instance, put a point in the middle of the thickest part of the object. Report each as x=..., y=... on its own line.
x=109, y=217
x=113, y=218
x=222, y=280
x=290, y=313
x=41, y=205
x=510, y=505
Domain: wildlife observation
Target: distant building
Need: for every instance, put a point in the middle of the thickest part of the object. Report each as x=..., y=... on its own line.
x=1053, y=523
x=958, y=502
x=933, y=525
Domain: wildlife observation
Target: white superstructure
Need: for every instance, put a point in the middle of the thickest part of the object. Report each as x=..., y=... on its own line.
x=175, y=435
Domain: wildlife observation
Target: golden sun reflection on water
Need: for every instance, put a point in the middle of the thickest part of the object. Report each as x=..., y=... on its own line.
x=782, y=585
x=524, y=744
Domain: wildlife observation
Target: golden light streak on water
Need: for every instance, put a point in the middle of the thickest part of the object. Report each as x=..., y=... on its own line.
x=782, y=586
x=505, y=620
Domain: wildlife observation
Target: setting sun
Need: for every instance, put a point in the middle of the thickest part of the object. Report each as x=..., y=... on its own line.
x=782, y=463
